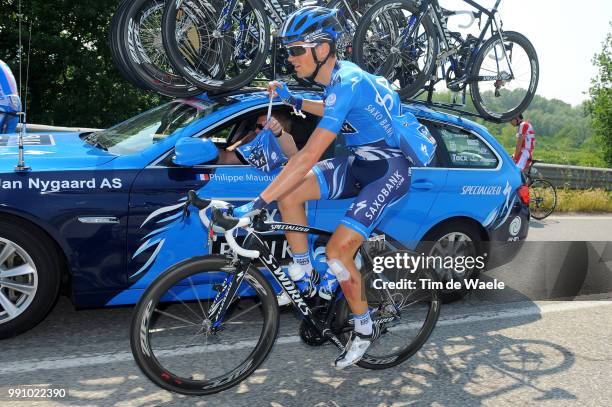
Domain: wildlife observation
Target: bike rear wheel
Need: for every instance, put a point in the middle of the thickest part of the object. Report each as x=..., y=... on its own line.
x=141, y=39
x=391, y=41
x=503, y=84
x=212, y=58
x=118, y=53
x=350, y=13
x=412, y=314
x=177, y=346
x=542, y=199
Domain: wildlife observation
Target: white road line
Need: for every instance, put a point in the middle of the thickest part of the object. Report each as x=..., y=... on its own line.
x=65, y=362
x=594, y=217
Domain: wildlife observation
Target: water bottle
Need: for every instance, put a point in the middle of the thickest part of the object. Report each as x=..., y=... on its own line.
x=327, y=281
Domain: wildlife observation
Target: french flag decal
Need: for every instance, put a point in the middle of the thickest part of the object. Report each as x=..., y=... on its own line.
x=204, y=177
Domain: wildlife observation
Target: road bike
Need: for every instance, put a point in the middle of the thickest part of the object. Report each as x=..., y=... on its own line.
x=208, y=322
x=406, y=41
x=542, y=194
x=226, y=45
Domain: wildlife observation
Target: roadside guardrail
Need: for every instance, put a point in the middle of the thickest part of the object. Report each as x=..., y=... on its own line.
x=574, y=177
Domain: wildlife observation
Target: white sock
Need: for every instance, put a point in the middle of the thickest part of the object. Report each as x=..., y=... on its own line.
x=303, y=259
x=363, y=323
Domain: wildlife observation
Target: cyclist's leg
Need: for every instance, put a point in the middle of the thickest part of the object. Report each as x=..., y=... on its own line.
x=524, y=160
x=363, y=216
x=329, y=179
x=360, y=220
x=292, y=210
x=341, y=250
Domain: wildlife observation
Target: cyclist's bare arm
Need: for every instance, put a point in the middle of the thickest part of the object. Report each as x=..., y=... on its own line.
x=315, y=107
x=298, y=166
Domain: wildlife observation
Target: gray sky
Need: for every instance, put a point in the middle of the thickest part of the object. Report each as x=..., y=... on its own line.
x=566, y=34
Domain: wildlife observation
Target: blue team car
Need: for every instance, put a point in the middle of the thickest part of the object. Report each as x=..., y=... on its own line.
x=99, y=215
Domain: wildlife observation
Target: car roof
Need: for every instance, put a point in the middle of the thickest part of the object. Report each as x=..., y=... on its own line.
x=260, y=95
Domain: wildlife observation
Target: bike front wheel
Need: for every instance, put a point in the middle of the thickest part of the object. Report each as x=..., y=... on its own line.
x=542, y=199
x=182, y=347
x=504, y=77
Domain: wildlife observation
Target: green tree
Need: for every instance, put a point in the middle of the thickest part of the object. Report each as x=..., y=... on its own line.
x=600, y=105
x=72, y=78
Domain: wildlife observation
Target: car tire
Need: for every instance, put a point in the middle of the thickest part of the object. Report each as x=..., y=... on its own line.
x=449, y=239
x=28, y=261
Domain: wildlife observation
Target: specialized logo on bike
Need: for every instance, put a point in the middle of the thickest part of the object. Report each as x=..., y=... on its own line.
x=395, y=181
x=295, y=228
x=288, y=284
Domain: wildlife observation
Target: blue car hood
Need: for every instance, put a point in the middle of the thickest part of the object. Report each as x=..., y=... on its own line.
x=51, y=151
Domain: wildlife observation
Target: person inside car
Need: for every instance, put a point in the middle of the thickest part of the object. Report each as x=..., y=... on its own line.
x=279, y=123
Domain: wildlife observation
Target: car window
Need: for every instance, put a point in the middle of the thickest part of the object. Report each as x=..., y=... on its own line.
x=150, y=127
x=465, y=149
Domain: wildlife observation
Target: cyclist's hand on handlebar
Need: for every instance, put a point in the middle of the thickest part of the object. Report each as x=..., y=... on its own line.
x=250, y=209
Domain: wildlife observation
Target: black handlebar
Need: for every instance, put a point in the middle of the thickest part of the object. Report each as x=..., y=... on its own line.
x=221, y=219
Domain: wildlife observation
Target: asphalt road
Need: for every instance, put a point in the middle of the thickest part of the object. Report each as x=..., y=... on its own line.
x=492, y=348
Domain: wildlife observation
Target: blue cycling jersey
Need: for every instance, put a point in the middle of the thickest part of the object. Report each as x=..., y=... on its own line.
x=361, y=106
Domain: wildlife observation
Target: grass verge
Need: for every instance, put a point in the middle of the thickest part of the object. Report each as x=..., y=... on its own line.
x=588, y=200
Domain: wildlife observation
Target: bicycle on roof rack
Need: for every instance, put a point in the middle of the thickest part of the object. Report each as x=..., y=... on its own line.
x=542, y=194
x=406, y=41
x=219, y=46
x=207, y=323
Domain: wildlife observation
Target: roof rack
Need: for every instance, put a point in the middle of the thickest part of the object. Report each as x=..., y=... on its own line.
x=453, y=107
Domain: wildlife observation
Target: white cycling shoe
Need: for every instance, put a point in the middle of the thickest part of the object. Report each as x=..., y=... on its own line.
x=354, y=350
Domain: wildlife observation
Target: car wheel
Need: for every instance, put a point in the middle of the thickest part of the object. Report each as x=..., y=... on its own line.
x=453, y=240
x=29, y=277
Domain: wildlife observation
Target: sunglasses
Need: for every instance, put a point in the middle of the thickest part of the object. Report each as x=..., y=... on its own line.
x=260, y=126
x=297, y=50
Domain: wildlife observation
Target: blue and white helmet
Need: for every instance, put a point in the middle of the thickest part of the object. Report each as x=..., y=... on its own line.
x=311, y=24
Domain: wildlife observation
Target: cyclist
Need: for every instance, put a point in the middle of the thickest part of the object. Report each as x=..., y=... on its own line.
x=525, y=142
x=360, y=106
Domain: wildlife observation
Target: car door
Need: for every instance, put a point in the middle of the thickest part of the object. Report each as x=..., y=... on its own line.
x=403, y=221
x=476, y=186
x=158, y=234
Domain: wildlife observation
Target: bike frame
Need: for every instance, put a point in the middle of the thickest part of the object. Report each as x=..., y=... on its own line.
x=254, y=242
x=432, y=7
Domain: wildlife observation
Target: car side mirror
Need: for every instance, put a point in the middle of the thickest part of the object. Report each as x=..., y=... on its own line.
x=190, y=151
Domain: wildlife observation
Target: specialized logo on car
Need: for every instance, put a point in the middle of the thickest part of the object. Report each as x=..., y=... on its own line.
x=515, y=226
x=28, y=140
x=395, y=181
x=481, y=190
x=330, y=100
